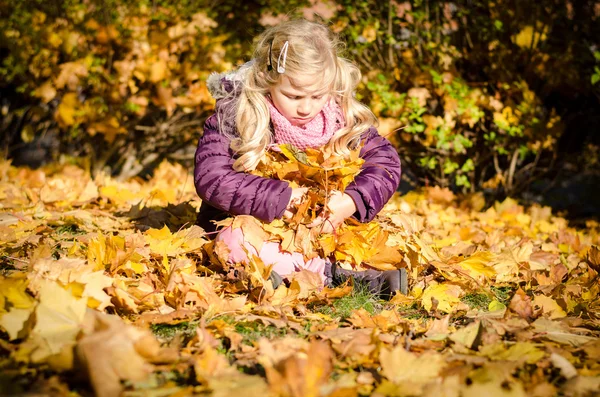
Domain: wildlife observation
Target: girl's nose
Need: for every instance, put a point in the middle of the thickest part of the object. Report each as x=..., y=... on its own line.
x=304, y=108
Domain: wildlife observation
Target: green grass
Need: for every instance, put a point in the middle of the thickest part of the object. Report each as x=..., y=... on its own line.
x=167, y=332
x=70, y=229
x=253, y=331
x=476, y=300
x=481, y=300
x=359, y=298
x=504, y=293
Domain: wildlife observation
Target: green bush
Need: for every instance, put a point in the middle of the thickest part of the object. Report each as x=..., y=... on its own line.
x=449, y=83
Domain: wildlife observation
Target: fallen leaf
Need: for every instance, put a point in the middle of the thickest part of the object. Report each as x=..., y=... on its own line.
x=446, y=295
x=548, y=306
x=401, y=366
x=522, y=305
x=477, y=265
x=558, y=332
x=566, y=368
x=14, y=320
x=593, y=257
x=59, y=317
x=113, y=351
x=468, y=336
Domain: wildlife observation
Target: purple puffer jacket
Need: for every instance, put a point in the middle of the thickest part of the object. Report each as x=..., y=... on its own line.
x=225, y=191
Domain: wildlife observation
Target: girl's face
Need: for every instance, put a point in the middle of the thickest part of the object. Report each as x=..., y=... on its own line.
x=298, y=103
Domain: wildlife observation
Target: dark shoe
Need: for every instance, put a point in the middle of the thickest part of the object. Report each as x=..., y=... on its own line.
x=403, y=281
x=276, y=279
x=380, y=283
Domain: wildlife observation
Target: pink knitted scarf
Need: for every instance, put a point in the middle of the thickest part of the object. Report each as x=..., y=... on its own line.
x=314, y=134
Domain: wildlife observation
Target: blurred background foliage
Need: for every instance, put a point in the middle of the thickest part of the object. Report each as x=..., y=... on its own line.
x=476, y=95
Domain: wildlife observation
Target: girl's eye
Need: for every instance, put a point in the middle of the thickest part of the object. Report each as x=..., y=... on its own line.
x=317, y=97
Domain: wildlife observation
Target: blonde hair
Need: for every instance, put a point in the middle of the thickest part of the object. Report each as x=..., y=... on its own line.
x=313, y=51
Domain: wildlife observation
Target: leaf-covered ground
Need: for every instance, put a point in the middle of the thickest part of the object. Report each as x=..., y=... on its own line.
x=106, y=287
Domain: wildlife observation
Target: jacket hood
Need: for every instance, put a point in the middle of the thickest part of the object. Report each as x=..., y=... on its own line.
x=221, y=85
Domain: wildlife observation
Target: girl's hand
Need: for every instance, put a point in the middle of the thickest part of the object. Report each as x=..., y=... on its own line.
x=339, y=207
x=295, y=199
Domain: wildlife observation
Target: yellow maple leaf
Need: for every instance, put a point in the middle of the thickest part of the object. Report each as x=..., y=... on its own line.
x=303, y=241
x=109, y=128
x=308, y=282
x=560, y=332
x=446, y=295
x=520, y=351
x=259, y=273
x=327, y=242
x=286, y=296
x=211, y=364
x=369, y=33
x=207, y=298
x=14, y=320
x=529, y=37
x=358, y=244
x=115, y=351
x=288, y=241
x=300, y=374
x=94, y=284
x=319, y=366
x=293, y=154
x=164, y=243
x=351, y=247
x=477, y=266
x=69, y=111
x=492, y=380
x=13, y=293
x=59, y=316
x=549, y=306
x=105, y=251
x=119, y=196
x=252, y=229
x=401, y=366
x=467, y=336
x=507, y=263
x=46, y=92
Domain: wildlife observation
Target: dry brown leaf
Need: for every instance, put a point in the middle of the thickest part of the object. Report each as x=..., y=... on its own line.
x=522, y=305
x=254, y=234
x=113, y=351
x=593, y=258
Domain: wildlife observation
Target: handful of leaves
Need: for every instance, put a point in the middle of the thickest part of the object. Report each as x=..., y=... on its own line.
x=322, y=171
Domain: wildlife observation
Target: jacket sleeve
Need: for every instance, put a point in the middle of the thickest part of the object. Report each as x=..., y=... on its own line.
x=237, y=193
x=378, y=179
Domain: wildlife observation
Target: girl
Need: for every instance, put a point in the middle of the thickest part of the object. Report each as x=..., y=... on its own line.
x=296, y=90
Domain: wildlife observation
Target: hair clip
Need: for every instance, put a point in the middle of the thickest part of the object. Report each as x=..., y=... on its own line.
x=281, y=65
x=270, y=62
